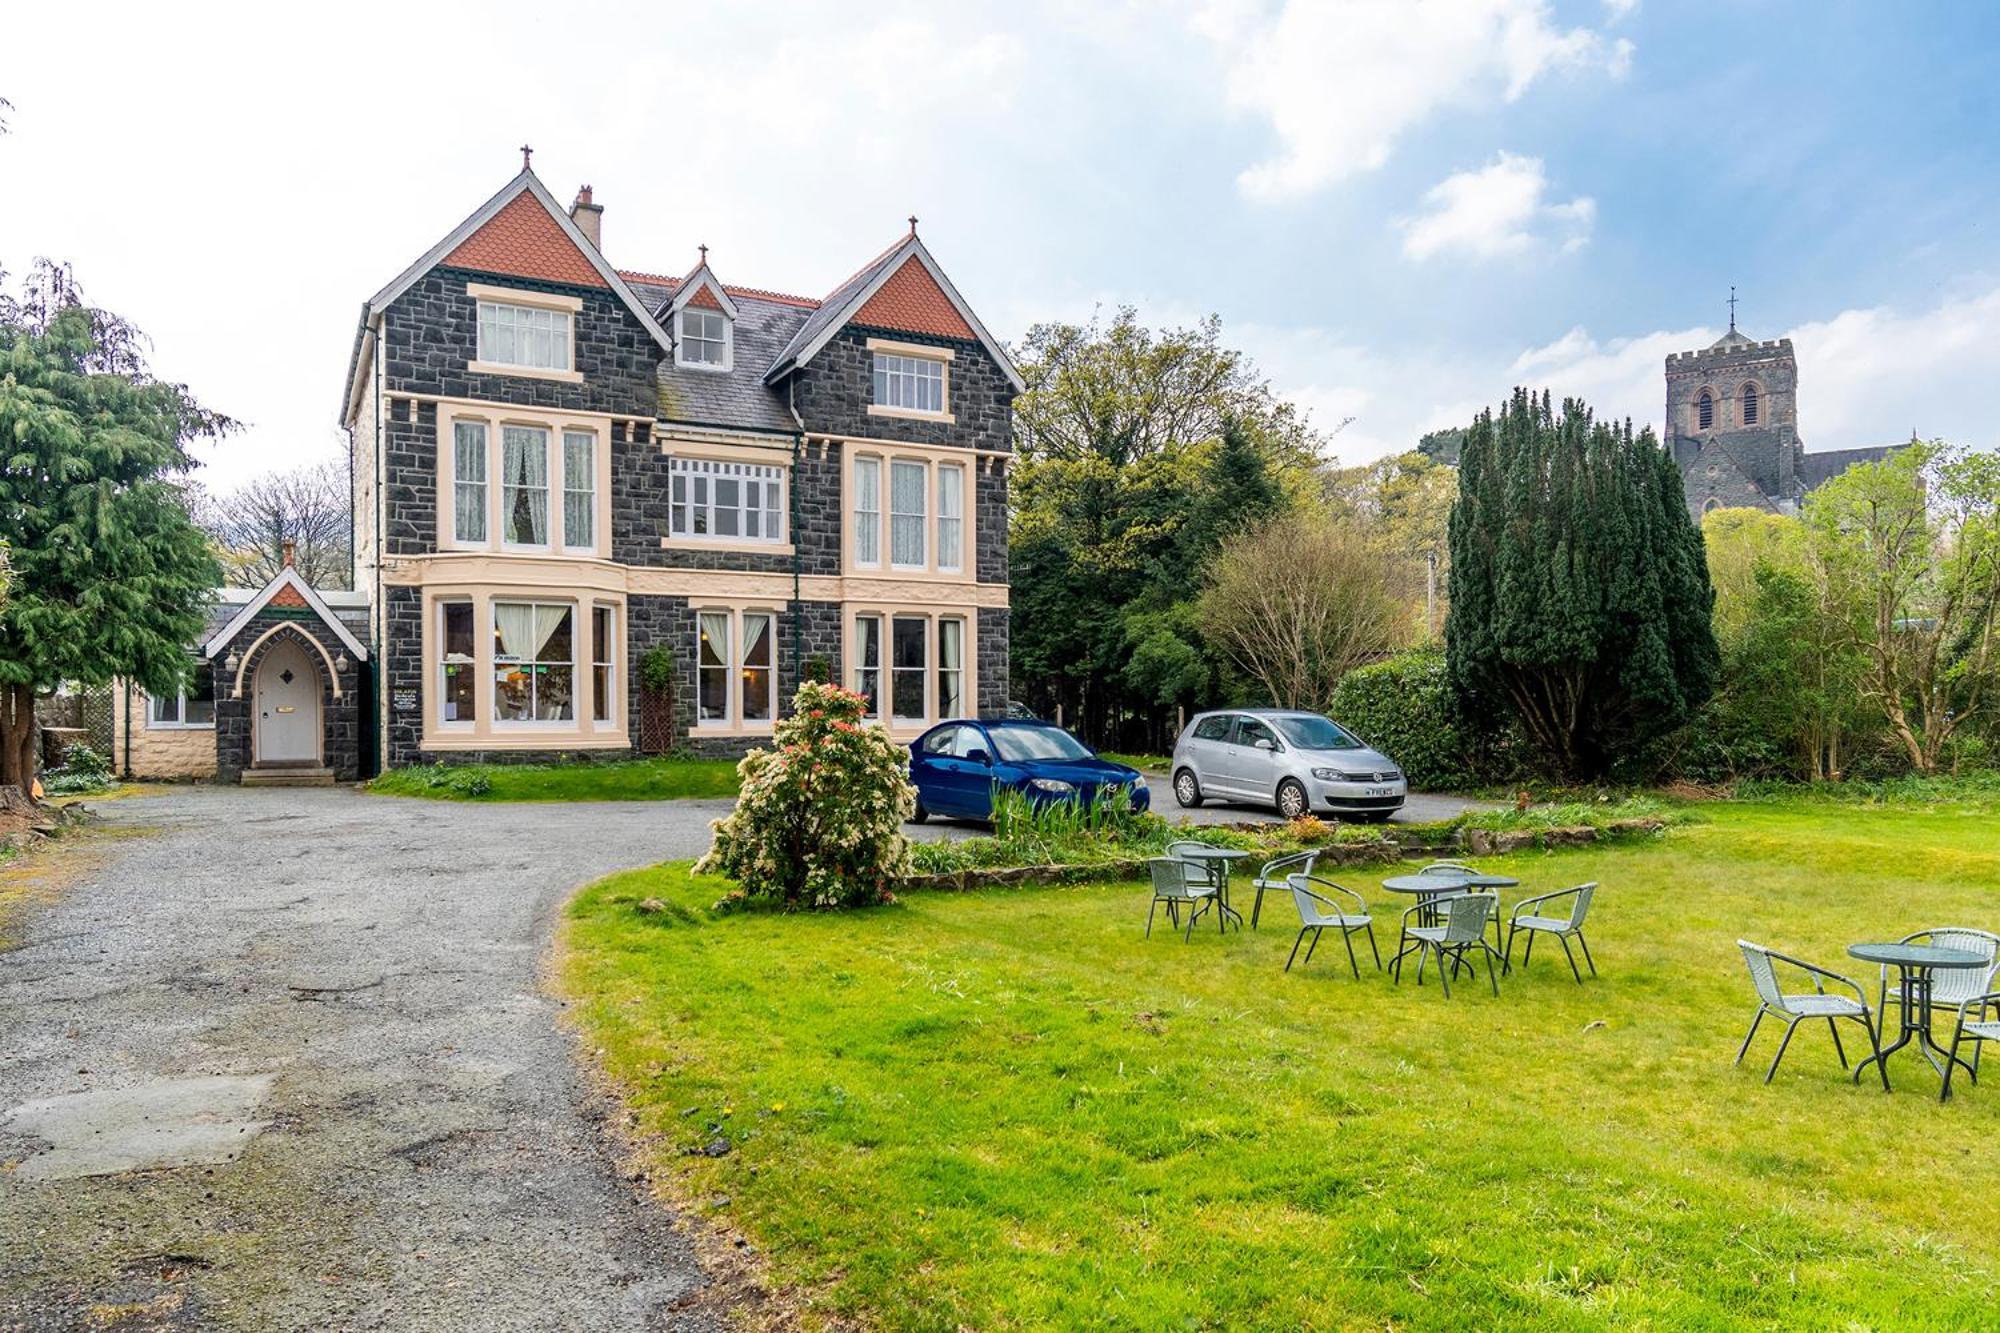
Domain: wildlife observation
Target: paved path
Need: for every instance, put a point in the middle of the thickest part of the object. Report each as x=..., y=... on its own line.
x=328, y=1003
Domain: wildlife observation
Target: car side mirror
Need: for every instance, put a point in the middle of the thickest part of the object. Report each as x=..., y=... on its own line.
x=1266, y=743
x=979, y=757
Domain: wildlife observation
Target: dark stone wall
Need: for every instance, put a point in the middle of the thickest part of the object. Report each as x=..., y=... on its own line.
x=833, y=390
x=340, y=717
x=410, y=477
x=993, y=661
x=402, y=671
x=670, y=622
x=990, y=521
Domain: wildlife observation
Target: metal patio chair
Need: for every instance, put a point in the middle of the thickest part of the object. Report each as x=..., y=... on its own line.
x=1951, y=987
x=1562, y=927
x=1460, y=867
x=1795, y=1007
x=1318, y=913
x=1464, y=929
x=1980, y=1030
x=1179, y=884
x=1275, y=877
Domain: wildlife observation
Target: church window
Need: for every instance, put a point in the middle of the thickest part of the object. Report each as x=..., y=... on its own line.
x=1749, y=404
x=1704, y=409
x=1711, y=503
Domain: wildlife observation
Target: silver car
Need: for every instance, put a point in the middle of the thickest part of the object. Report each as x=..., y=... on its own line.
x=1301, y=763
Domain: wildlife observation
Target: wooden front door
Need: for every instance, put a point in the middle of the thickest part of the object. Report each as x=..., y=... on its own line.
x=287, y=699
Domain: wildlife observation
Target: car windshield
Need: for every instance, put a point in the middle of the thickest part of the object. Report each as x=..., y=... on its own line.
x=1316, y=733
x=1023, y=745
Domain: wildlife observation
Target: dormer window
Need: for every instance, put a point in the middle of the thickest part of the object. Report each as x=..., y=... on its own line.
x=704, y=339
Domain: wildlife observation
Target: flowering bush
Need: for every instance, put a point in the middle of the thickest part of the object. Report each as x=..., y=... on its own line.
x=820, y=819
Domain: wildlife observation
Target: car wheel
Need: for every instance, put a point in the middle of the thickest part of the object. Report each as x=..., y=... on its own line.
x=921, y=814
x=1187, y=790
x=1292, y=799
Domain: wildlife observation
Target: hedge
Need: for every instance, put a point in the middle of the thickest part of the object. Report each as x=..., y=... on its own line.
x=1405, y=708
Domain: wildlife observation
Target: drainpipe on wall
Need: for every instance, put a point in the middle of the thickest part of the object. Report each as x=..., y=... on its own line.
x=128, y=727
x=798, y=611
x=380, y=612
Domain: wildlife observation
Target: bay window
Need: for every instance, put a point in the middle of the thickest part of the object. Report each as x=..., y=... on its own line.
x=456, y=679
x=730, y=501
x=868, y=662
x=906, y=514
x=524, y=486
x=579, y=489
x=951, y=669
x=950, y=515
x=530, y=337
x=908, y=651
x=867, y=511
x=468, y=501
x=534, y=662
x=603, y=664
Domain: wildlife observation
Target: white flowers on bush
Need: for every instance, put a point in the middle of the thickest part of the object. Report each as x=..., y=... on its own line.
x=820, y=819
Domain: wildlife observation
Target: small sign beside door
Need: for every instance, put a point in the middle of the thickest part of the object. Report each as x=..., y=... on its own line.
x=404, y=700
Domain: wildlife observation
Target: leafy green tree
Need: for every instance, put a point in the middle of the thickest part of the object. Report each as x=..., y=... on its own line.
x=110, y=575
x=1917, y=538
x=1580, y=598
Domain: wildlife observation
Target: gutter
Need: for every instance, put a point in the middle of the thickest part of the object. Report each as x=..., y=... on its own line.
x=792, y=492
x=375, y=635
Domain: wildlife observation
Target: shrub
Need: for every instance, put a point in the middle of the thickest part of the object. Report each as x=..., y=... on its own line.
x=83, y=770
x=656, y=669
x=1405, y=708
x=819, y=668
x=819, y=822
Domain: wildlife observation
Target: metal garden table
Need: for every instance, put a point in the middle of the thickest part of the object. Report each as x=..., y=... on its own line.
x=1433, y=888
x=1915, y=962
x=1222, y=857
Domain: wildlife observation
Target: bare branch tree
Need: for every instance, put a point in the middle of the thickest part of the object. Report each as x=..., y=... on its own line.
x=309, y=505
x=1299, y=603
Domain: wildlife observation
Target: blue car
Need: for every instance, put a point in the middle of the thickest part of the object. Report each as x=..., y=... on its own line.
x=957, y=765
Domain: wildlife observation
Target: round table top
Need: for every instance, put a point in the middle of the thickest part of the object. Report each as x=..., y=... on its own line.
x=1213, y=854
x=1916, y=955
x=1446, y=883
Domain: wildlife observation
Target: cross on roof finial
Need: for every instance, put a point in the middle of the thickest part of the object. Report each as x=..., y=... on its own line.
x=913, y=224
x=704, y=253
x=526, y=153
x=1732, y=308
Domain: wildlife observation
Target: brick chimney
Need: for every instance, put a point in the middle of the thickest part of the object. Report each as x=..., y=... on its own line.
x=589, y=217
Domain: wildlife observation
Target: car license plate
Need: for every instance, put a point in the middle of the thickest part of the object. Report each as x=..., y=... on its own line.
x=1380, y=791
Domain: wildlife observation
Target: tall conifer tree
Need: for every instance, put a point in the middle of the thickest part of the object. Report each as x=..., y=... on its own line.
x=1580, y=599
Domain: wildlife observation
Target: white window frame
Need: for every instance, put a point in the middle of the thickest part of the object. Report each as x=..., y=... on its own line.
x=605, y=700
x=565, y=491
x=902, y=378
x=524, y=316
x=727, y=666
x=439, y=662
x=740, y=669
x=180, y=700
x=557, y=430
x=575, y=720
x=692, y=476
x=950, y=482
x=484, y=485
x=860, y=665
x=922, y=516
x=922, y=670
x=940, y=671
x=867, y=558
x=548, y=516
x=728, y=340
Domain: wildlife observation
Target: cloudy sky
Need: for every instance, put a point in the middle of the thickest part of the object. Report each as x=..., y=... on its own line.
x=1400, y=207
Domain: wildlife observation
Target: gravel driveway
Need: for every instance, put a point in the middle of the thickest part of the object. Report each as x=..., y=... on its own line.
x=327, y=1004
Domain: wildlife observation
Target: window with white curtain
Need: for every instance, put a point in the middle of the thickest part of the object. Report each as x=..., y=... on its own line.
x=731, y=501
x=867, y=511
x=704, y=340
x=868, y=662
x=909, y=383
x=468, y=472
x=579, y=489
x=908, y=651
x=712, y=667
x=523, y=335
x=950, y=515
x=534, y=662
x=457, y=683
x=524, y=486
x=951, y=668
x=907, y=483
x=603, y=663
x=759, y=681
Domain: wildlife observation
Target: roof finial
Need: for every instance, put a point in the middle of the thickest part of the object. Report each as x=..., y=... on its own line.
x=704, y=253
x=526, y=153
x=1732, y=308
x=913, y=224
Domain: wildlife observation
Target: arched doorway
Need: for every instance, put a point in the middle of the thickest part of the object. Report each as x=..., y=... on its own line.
x=286, y=723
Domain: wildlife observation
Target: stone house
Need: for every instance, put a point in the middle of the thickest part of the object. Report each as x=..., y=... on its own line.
x=566, y=471
x=275, y=695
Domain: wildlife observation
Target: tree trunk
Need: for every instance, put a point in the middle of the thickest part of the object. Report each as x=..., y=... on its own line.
x=19, y=737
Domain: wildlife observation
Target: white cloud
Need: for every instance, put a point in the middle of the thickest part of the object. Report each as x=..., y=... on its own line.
x=1866, y=377
x=1340, y=83
x=1496, y=210
x=1618, y=9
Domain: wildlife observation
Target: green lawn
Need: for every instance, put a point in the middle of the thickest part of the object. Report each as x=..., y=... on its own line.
x=1008, y=1110
x=629, y=780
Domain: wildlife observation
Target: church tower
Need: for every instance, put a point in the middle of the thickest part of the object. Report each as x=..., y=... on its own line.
x=1732, y=421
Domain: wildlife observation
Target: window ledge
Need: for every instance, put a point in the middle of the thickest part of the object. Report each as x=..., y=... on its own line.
x=910, y=414
x=178, y=726
x=721, y=731
x=747, y=544
x=526, y=372
x=705, y=367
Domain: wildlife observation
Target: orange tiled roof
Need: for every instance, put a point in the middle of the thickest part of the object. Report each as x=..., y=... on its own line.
x=912, y=301
x=705, y=298
x=524, y=241
x=754, y=293
x=287, y=596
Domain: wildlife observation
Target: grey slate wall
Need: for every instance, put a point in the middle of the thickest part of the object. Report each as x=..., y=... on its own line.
x=340, y=718
x=669, y=622
x=833, y=390
x=993, y=661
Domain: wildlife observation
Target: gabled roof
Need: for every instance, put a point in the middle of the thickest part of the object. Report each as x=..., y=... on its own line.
x=519, y=242
x=915, y=297
x=288, y=589
x=697, y=285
